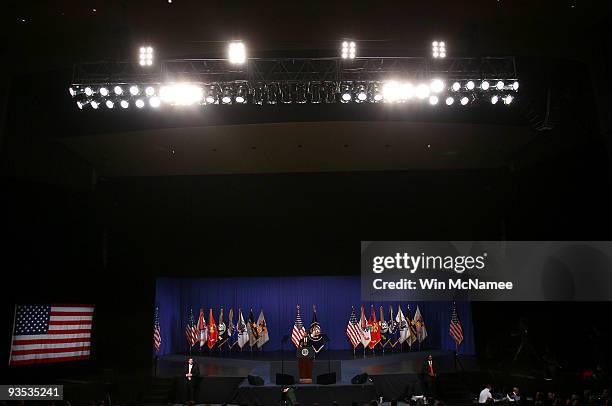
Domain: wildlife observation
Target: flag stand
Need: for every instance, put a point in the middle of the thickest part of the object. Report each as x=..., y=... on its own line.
x=457, y=358
x=155, y=366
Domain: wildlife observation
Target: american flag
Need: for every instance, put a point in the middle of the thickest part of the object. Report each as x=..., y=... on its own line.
x=455, y=331
x=353, y=331
x=298, y=332
x=156, y=331
x=51, y=333
x=191, y=330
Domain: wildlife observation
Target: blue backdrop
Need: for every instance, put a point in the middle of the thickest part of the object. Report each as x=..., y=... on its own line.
x=332, y=295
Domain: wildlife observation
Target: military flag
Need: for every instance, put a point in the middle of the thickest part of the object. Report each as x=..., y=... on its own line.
x=365, y=329
x=419, y=324
x=353, y=331
x=202, y=329
x=298, y=332
x=242, y=331
x=262, y=330
x=402, y=325
x=393, y=329
x=314, y=324
x=213, y=334
x=222, y=330
x=252, y=329
x=374, y=329
x=412, y=336
x=384, y=328
x=230, y=325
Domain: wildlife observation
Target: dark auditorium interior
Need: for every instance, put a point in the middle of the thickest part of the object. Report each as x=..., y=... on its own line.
x=99, y=204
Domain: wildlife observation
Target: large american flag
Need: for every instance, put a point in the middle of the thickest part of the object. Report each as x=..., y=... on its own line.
x=353, y=331
x=51, y=333
x=298, y=332
x=455, y=330
x=156, y=331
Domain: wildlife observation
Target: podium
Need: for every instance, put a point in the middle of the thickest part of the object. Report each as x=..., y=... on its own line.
x=305, y=356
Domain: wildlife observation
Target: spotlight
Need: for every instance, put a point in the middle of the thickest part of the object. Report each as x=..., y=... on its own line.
x=433, y=100
x=348, y=50
x=103, y=91
x=94, y=104
x=118, y=90
x=149, y=91
x=210, y=99
x=484, y=85
x=110, y=104
x=241, y=95
x=422, y=91
x=240, y=99
x=470, y=85
x=406, y=91
x=80, y=105
x=212, y=95
x=464, y=100
x=140, y=103
x=236, y=52
x=71, y=91
x=375, y=93
x=378, y=97
x=456, y=86
x=88, y=91
x=226, y=100
x=154, y=102
x=146, y=56
x=508, y=99
x=181, y=94
x=438, y=49
x=134, y=90
x=515, y=85
x=437, y=86
x=500, y=85
x=124, y=104
x=362, y=96
x=494, y=99
x=449, y=101
x=391, y=91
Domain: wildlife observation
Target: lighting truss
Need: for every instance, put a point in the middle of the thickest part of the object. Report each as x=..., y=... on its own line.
x=270, y=81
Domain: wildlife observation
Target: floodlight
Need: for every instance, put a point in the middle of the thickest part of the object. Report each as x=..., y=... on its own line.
x=110, y=104
x=494, y=99
x=500, y=85
x=134, y=90
x=240, y=99
x=438, y=49
x=181, y=94
x=346, y=97
x=71, y=91
x=433, y=100
x=437, y=86
x=422, y=91
x=485, y=85
x=145, y=57
x=470, y=85
x=154, y=102
x=362, y=96
x=149, y=91
x=103, y=91
x=80, y=104
x=241, y=96
x=226, y=100
x=88, y=91
x=140, y=103
x=464, y=100
x=406, y=91
x=118, y=90
x=94, y=104
x=449, y=101
x=348, y=49
x=515, y=85
x=236, y=52
x=456, y=86
x=124, y=104
x=508, y=99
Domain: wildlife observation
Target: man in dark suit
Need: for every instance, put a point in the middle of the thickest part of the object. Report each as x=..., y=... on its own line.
x=430, y=375
x=192, y=374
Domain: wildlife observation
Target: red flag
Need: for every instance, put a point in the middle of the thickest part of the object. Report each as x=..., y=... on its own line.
x=212, y=330
x=374, y=329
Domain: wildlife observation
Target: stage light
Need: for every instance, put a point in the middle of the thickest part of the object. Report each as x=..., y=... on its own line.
x=470, y=85
x=456, y=86
x=71, y=91
x=212, y=95
x=134, y=90
x=210, y=99
x=348, y=50
x=241, y=95
x=181, y=94
x=103, y=91
x=149, y=91
x=464, y=100
x=449, y=101
x=438, y=49
x=236, y=52
x=118, y=90
x=422, y=91
x=80, y=104
x=140, y=103
x=500, y=85
x=406, y=91
x=146, y=56
x=437, y=86
x=391, y=91
x=515, y=85
x=94, y=104
x=226, y=100
x=362, y=96
x=508, y=99
x=485, y=85
x=378, y=97
x=494, y=99
x=433, y=100
x=240, y=99
x=110, y=104
x=154, y=102
x=124, y=104
x=88, y=91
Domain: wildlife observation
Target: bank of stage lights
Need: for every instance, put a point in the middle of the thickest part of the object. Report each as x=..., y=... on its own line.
x=434, y=92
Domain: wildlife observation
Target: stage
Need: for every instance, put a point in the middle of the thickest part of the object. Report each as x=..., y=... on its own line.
x=392, y=375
